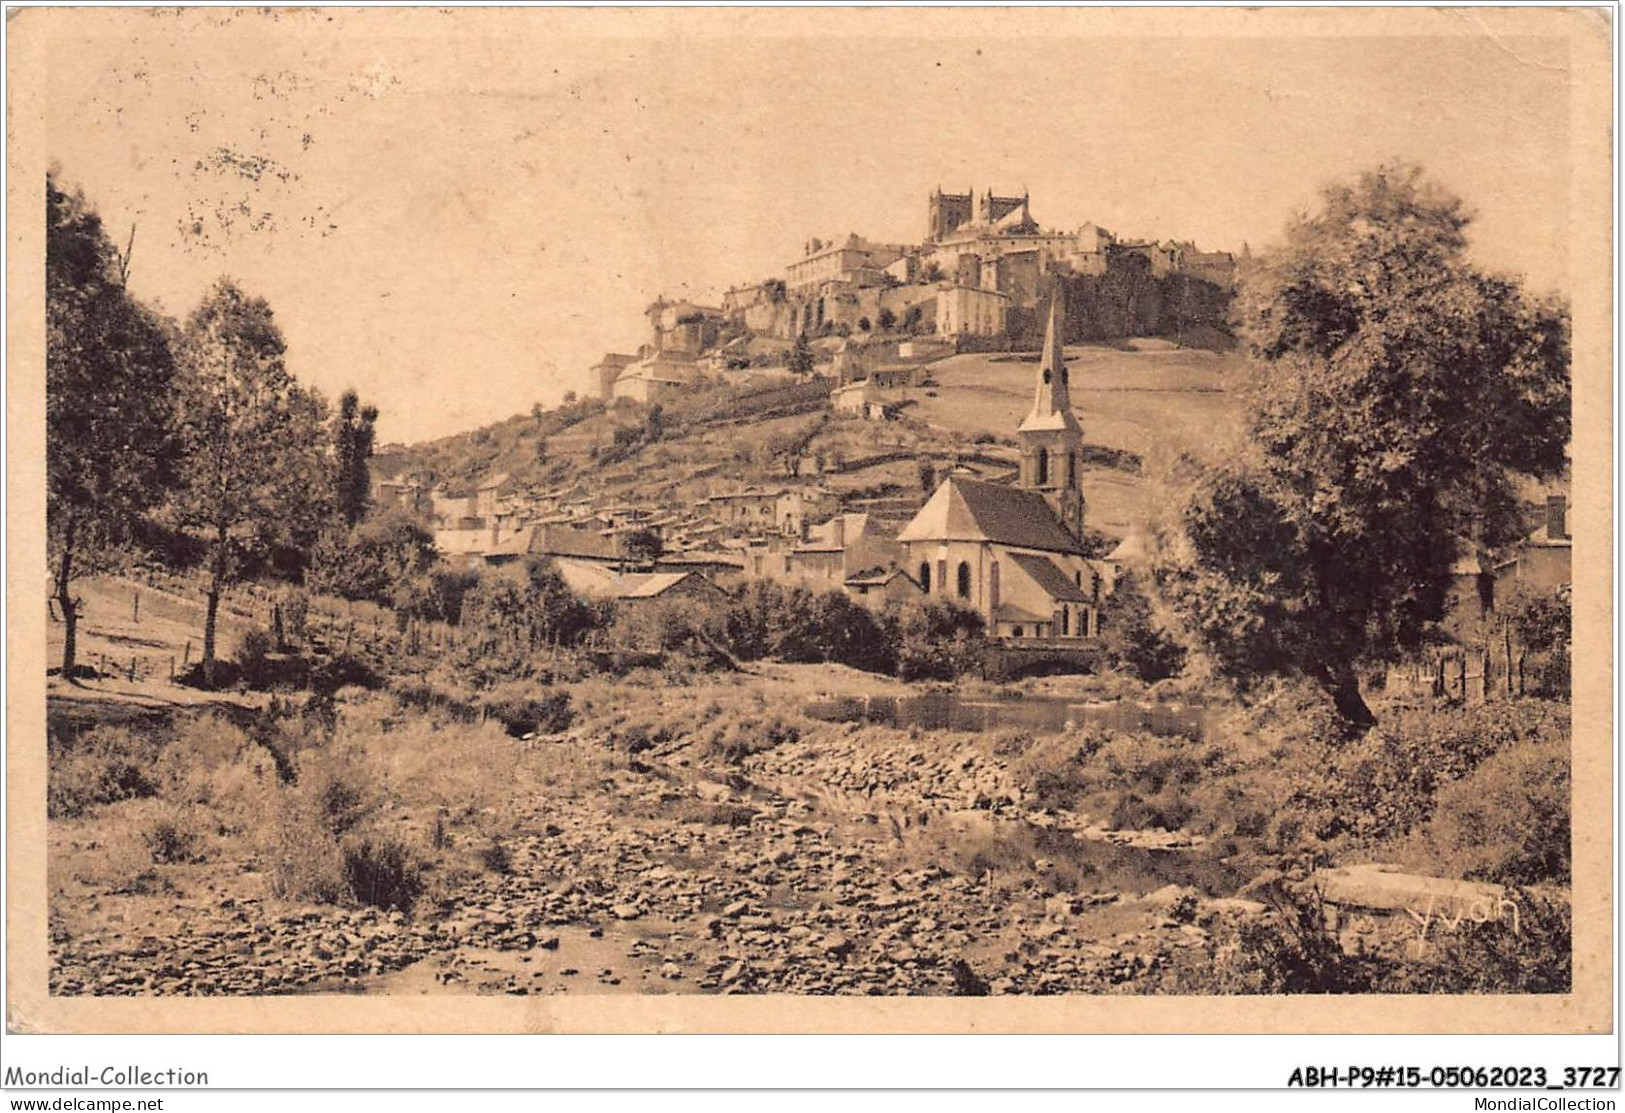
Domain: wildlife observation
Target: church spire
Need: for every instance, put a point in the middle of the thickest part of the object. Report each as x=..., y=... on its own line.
x=1050, y=438
x=1052, y=396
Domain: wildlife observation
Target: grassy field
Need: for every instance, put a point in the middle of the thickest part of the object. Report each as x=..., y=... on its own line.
x=1154, y=404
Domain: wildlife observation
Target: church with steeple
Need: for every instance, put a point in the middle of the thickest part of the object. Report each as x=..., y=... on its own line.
x=1013, y=553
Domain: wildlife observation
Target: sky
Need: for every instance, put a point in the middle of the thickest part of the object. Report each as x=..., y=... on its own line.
x=456, y=213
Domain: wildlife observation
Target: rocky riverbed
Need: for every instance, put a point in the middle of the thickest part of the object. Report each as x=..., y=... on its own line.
x=828, y=865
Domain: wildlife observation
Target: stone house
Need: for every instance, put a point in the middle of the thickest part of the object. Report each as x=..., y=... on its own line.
x=600, y=582
x=752, y=507
x=607, y=370
x=1543, y=563
x=971, y=311
x=877, y=587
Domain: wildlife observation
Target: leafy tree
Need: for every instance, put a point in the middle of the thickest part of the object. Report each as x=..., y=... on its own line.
x=109, y=447
x=928, y=475
x=1131, y=637
x=1399, y=390
x=1540, y=625
x=800, y=359
x=886, y=319
x=654, y=424
x=253, y=469
x=376, y=560
x=513, y=612
x=936, y=640
x=642, y=545
x=436, y=595
x=352, y=448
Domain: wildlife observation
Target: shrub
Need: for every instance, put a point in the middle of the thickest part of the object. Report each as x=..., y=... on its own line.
x=293, y=607
x=1544, y=627
x=634, y=739
x=740, y=738
x=209, y=761
x=1168, y=811
x=1382, y=788
x=252, y=651
x=495, y=856
x=694, y=627
x=174, y=836
x=1291, y=951
x=936, y=640
x=1535, y=955
x=382, y=872
x=513, y=613
x=1131, y=638
x=99, y=766
x=373, y=561
x=304, y=858
x=769, y=619
x=1508, y=820
x=522, y=715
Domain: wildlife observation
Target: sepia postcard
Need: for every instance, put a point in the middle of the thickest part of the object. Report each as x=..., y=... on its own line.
x=809, y=520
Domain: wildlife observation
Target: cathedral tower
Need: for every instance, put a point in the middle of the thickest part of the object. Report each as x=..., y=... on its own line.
x=1050, y=437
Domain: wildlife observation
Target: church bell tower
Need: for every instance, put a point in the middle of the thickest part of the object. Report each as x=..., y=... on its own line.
x=1050, y=437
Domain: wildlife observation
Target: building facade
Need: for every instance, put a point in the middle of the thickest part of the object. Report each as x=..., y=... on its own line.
x=971, y=311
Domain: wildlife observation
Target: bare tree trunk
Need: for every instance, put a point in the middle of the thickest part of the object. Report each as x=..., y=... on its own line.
x=64, y=599
x=1343, y=685
x=1506, y=644
x=212, y=609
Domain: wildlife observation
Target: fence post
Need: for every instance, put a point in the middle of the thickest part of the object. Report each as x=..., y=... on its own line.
x=135, y=607
x=186, y=657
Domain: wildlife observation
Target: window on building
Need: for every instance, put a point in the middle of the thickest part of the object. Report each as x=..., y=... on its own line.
x=925, y=576
x=964, y=580
x=1066, y=622
x=1018, y=632
x=1043, y=466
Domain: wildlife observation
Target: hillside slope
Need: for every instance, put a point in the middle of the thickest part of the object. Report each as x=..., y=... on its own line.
x=1137, y=407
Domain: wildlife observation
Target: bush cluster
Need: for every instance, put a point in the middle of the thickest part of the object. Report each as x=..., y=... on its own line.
x=98, y=766
x=1292, y=951
x=918, y=640
x=327, y=843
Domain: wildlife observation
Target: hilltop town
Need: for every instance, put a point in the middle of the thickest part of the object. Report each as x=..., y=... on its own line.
x=903, y=624
x=845, y=350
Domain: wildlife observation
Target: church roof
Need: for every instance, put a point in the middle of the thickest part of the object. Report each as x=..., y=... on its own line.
x=1050, y=578
x=974, y=510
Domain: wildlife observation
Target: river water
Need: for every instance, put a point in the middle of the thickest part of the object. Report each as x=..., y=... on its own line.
x=1038, y=714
